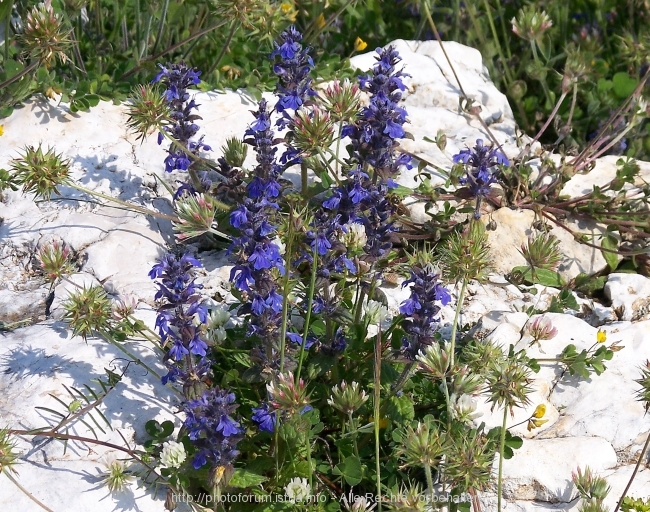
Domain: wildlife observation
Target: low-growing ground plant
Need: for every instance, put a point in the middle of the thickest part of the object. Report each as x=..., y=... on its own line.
x=306, y=389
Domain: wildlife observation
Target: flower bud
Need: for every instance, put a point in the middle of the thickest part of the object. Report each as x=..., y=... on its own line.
x=348, y=399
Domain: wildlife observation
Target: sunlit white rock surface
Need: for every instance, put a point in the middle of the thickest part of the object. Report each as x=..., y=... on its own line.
x=596, y=422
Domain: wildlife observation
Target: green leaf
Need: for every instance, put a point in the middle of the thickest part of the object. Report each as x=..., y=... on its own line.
x=611, y=243
x=540, y=276
x=242, y=478
x=624, y=84
x=350, y=469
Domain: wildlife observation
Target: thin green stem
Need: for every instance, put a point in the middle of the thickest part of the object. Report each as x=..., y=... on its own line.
x=7, y=26
x=311, y=469
x=355, y=447
x=161, y=26
x=377, y=412
x=427, y=472
x=304, y=180
x=25, y=491
x=285, y=293
x=224, y=49
x=506, y=34
x=310, y=300
x=130, y=206
x=502, y=443
x=133, y=357
x=169, y=49
x=636, y=469
x=32, y=66
x=506, y=68
x=454, y=327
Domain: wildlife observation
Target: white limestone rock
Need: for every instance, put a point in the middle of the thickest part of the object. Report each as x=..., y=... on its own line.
x=630, y=295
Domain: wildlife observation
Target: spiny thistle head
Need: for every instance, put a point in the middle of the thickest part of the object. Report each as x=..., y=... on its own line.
x=287, y=395
x=422, y=445
x=196, y=215
x=88, y=310
x=312, y=129
x=434, y=361
x=408, y=499
x=467, y=254
x=477, y=352
x=54, y=258
x=348, y=398
x=8, y=454
x=644, y=393
x=531, y=23
x=234, y=152
x=542, y=251
x=40, y=173
x=469, y=460
x=590, y=486
x=45, y=36
x=117, y=475
x=147, y=109
x=341, y=100
x=508, y=385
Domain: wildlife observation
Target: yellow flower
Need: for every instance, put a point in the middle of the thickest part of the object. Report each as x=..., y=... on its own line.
x=601, y=336
x=2, y=130
x=535, y=424
x=289, y=11
x=359, y=45
x=540, y=411
x=320, y=21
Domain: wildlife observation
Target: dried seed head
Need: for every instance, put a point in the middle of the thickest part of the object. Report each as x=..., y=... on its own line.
x=542, y=251
x=45, y=36
x=88, y=310
x=8, y=454
x=40, y=173
x=196, y=215
x=147, y=110
x=341, y=100
x=422, y=445
x=234, y=152
x=348, y=398
x=54, y=259
x=312, y=129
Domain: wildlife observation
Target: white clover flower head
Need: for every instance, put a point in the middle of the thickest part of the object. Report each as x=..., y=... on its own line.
x=375, y=312
x=298, y=490
x=173, y=454
x=465, y=408
x=117, y=474
x=354, y=236
x=218, y=316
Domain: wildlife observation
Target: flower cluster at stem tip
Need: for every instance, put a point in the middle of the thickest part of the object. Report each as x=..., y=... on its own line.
x=480, y=174
x=176, y=78
x=212, y=430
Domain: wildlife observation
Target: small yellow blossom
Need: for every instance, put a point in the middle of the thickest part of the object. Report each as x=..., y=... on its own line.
x=289, y=11
x=2, y=130
x=540, y=411
x=320, y=21
x=601, y=336
x=360, y=45
x=535, y=424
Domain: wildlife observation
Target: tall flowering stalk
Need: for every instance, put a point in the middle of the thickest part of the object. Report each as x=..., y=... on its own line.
x=258, y=259
x=214, y=432
x=421, y=309
x=177, y=78
x=292, y=67
x=176, y=322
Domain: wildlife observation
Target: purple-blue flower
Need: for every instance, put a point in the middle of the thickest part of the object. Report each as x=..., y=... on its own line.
x=421, y=309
